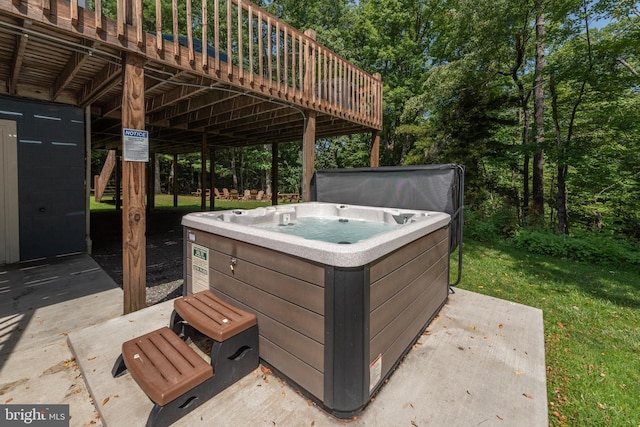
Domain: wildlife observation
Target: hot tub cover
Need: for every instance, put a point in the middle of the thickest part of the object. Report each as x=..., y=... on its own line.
x=423, y=187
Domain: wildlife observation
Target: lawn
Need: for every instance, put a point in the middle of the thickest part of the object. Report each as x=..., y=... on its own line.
x=186, y=202
x=592, y=328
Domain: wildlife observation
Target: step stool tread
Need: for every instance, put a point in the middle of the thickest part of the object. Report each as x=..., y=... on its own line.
x=212, y=316
x=163, y=365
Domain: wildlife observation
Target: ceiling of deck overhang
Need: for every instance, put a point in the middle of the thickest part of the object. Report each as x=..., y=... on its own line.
x=39, y=63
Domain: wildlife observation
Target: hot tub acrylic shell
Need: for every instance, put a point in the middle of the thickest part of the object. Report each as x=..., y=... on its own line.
x=332, y=319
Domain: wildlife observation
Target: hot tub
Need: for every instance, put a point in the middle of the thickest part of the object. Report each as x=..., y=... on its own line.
x=336, y=316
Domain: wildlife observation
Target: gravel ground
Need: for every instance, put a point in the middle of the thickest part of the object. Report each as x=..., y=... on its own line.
x=164, y=292
x=164, y=250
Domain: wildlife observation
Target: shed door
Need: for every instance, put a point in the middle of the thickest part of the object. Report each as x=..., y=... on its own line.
x=51, y=183
x=9, y=236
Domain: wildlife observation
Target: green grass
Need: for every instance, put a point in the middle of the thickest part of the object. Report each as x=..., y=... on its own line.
x=592, y=328
x=186, y=202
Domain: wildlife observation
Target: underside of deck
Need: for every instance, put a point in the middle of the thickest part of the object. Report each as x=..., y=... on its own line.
x=259, y=88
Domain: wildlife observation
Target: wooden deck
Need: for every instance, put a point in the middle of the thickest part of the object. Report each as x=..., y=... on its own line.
x=254, y=83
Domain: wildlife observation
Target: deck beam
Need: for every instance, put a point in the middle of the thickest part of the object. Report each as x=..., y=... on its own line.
x=21, y=45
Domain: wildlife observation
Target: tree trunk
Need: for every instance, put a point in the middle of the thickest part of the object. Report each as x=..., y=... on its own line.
x=538, y=115
x=561, y=196
x=561, y=200
x=233, y=168
x=521, y=42
x=172, y=175
x=267, y=172
x=565, y=144
x=526, y=195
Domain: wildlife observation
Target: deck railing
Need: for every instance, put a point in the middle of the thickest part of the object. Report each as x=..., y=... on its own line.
x=233, y=41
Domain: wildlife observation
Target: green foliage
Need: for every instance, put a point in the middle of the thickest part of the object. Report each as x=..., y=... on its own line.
x=344, y=152
x=590, y=248
x=495, y=226
x=290, y=168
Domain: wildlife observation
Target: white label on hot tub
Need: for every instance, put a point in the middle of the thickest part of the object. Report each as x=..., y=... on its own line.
x=375, y=372
x=199, y=267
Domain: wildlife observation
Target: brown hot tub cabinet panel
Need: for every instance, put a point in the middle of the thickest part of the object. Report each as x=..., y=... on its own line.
x=405, y=299
x=336, y=332
x=286, y=295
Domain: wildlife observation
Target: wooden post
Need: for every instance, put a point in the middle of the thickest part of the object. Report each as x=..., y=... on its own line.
x=203, y=173
x=151, y=185
x=118, y=184
x=134, y=260
x=375, y=149
x=212, y=179
x=308, y=154
x=87, y=177
x=309, y=136
x=274, y=173
x=175, y=181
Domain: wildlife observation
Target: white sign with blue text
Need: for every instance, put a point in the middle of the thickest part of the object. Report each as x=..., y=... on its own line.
x=135, y=145
x=199, y=267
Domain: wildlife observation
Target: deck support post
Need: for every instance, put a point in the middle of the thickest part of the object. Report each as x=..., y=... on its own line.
x=203, y=173
x=118, y=169
x=134, y=259
x=87, y=177
x=274, y=173
x=212, y=179
x=375, y=149
x=308, y=154
x=151, y=182
x=309, y=136
x=174, y=182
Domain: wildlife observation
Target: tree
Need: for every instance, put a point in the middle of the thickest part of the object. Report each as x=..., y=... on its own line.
x=491, y=43
x=588, y=86
x=538, y=113
x=393, y=37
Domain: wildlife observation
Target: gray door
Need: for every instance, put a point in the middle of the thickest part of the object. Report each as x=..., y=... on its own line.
x=9, y=236
x=51, y=174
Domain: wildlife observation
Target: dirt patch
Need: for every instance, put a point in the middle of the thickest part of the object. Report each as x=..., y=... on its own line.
x=164, y=250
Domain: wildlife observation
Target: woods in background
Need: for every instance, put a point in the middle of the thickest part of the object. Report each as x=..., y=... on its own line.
x=538, y=99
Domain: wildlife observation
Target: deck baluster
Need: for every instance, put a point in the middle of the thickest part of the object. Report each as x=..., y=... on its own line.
x=205, y=37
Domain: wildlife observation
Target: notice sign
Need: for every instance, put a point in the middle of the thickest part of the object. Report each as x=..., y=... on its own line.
x=135, y=145
x=199, y=267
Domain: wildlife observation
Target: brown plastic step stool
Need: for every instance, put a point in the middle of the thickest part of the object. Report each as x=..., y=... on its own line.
x=172, y=374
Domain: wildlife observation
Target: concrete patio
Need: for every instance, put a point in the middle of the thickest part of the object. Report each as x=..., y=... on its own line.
x=41, y=302
x=480, y=362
